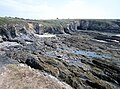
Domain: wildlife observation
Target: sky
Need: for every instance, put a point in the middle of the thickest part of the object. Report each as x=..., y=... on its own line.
x=62, y=9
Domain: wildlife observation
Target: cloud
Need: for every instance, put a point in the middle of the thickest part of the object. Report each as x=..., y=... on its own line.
x=40, y=9
x=26, y=9
x=81, y=9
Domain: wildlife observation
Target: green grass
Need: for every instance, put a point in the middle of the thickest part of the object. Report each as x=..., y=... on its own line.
x=8, y=20
x=48, y=23
x=45, y=23
x=55, y=23
x=3, y=21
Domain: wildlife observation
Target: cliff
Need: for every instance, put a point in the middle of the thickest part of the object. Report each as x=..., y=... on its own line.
x=82, y=53
x=62, y=26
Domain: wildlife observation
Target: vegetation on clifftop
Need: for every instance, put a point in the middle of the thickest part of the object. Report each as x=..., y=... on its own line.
x=9, y=20
x=106, y=25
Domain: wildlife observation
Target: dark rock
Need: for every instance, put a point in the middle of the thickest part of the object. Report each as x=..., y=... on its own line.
x=99, y=25
x=94, y=85
x=37, y=29
x=66, y=30
x=12, y=31
x=6, y=60
x=104, y=77
x=31, y=61
x=50, y=44
x=109, y=69
x=106, y=65
x=1, y=40
x=23, y=31
x=4, y=33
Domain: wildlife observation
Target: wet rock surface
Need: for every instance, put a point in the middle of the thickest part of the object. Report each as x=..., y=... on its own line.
x=84, y=60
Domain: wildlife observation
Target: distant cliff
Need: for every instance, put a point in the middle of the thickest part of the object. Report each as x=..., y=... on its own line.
x=100, y=25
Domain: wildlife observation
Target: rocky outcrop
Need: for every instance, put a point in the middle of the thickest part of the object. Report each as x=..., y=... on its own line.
x=78, y=71
x=111, y=26
x=100, y=25
x=82, y=59
x=12, y=30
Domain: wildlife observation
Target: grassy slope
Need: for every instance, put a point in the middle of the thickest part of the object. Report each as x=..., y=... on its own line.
x=7, y=20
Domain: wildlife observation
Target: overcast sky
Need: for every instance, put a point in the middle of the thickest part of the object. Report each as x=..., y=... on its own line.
x=63, y=9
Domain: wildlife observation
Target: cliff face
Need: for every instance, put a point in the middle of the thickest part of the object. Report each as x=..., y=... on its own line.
x=100, y=25
x=19, y=32
x=111, y=26
x=14, y=29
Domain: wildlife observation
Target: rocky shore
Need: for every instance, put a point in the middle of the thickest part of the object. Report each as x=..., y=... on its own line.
x=75, y=52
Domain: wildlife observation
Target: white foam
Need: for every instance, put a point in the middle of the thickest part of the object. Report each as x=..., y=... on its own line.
x=118, y=35
x=7, y=44
x=28, y=42
x=45, y=35
x=101, y=41
x=115, y=41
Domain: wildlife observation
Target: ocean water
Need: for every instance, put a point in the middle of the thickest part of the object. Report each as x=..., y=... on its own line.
x=92, y=54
